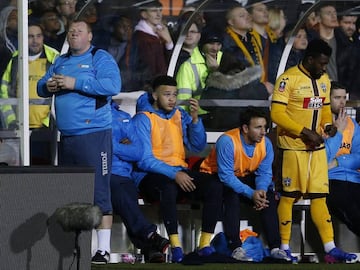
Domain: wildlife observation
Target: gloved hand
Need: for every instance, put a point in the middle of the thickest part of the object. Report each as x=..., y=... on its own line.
x=330, y=130
x=311, y=138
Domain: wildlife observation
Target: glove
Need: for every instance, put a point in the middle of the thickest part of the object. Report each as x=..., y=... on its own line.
x=311, y=138
x=330, y=130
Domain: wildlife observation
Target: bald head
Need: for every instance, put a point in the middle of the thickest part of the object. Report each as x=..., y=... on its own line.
x=239, y=19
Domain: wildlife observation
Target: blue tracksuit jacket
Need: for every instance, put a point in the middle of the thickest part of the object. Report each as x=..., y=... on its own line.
x=194, y=137
x=85, y=109
x=349, y=164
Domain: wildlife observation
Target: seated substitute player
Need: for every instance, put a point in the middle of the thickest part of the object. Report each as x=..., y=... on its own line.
x=124, y=194
x=166, y=130
x=242, y=158
x=343, y=154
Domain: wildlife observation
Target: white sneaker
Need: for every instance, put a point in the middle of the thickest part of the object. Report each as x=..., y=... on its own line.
x=277, y=253
x=240, y=254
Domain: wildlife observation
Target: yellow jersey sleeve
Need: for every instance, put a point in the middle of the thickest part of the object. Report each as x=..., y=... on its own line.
x=299, y=101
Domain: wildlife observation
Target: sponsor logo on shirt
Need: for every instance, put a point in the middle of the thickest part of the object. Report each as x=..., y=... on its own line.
x=345, y=145
x=313, y=103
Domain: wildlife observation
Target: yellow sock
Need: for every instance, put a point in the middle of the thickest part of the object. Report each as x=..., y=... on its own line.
x=285, y=218
x=322, y=219
x=205, y=238
x=174, y=240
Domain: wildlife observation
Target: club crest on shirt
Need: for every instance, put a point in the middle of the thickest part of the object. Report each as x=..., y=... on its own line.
x=287, y=182
x=282, y=86
x=323, y=87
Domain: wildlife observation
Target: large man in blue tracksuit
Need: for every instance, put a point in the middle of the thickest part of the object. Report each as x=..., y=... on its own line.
x=83, y=81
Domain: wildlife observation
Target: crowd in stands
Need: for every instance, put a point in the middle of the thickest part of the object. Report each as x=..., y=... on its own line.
x=231, y=51
x=142, y=41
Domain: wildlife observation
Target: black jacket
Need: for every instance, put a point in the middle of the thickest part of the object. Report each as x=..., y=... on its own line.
x=242, y=85
x=348, y=62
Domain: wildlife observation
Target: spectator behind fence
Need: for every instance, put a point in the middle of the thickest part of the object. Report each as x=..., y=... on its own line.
x=344, y=62
x=166, y=130
x=327, y=15
x=239, y=42
x=192, y=37
x=348, y=54
x=184, y=13
x=343, y=152
x=152, y=45
x=231, y=81
x=8, y=35
x=276, y=25
x=193, y=72
x=67, y=11
x=119, y=47
x=83, y=81
x=40, y=58
x=242, y=159
x=215, y=13
x=124, y=194
x=298, y=48
x=50, y=23
x=265, y=38
x=311, y=21
x=259, y=14
x=91, y=15
x=300, y=108
x=38, y=7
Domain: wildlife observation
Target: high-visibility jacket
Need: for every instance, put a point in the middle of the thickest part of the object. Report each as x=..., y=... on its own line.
x=39, y=108
x=191, y=77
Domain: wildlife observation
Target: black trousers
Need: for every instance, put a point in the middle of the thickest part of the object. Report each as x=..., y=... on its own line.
x=344, y=203
x=160, y=188
x=124, y=197
x=231, y=221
